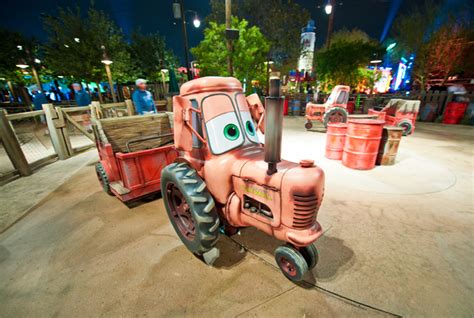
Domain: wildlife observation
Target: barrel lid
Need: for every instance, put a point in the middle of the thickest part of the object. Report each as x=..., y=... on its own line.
x=367, y=121
x=393, y=128
x=337, y=125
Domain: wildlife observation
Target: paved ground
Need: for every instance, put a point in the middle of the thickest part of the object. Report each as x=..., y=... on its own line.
x=398, y=240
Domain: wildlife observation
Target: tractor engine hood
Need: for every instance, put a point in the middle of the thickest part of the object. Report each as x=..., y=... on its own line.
x=295, y=188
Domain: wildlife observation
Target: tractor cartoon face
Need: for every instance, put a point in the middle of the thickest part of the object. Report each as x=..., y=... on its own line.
x=229, y=125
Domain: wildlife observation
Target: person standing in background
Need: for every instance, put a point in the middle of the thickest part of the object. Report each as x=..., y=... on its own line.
x=143, y=99
x=81, y=96
x=38, y=99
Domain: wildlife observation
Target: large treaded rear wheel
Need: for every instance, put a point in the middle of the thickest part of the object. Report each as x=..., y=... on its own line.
x=190, y=207
x=407, y=127
x=335, y=115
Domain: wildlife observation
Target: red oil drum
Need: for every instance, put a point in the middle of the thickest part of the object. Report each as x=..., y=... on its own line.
x=362, y=143
x=285, y=106
x=454, y=112
x=351, y=107
x=335, y=138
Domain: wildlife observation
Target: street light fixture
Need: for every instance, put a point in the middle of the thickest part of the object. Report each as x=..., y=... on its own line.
x=328, y=8
x=196, y=21
x=180, y=13
x=22, y=64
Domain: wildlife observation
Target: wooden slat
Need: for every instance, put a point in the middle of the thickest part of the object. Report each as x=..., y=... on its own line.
x=12, y=146
x=25, y=115
x=76, y=109
x=113, y=105
x=79, y=126
x=121, y=130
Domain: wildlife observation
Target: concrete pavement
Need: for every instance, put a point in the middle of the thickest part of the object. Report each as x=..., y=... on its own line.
x=398, y=240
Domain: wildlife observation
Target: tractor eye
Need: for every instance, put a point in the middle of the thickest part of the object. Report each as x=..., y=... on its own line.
x=250, y=128
x=231, y=132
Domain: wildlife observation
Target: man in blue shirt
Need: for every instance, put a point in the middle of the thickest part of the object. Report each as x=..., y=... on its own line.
x=38, y=99
x=81, y=96
x=142, y=99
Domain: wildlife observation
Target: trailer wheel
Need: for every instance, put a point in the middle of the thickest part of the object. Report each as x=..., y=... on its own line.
x=103, y=179
x=335, y=115
x=407, y=127
x=308, y=124
x=190, y=207
x=310, y=254
x=291, y=262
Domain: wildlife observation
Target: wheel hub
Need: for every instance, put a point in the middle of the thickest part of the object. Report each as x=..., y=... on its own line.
x=181, y=212
x=287, y=266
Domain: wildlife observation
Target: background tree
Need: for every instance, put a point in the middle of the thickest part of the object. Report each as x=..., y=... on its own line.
x=150, y=55
x=250, y=52
x=441, y=41
x=75, y=46
x=345, y=61
x=411, y=33
x=280, y=21
x=10, y=55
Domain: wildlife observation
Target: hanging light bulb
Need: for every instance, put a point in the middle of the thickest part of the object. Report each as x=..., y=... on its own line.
x=328, y=9
x=196, y=22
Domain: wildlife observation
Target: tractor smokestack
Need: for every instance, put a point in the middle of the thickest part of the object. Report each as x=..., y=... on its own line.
x=273, y=125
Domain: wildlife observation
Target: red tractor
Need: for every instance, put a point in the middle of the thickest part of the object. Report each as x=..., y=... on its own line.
x=401, y=113
x=334, y=110
x=224, y=178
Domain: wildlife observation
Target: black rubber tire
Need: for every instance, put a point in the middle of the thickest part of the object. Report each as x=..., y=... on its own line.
x=332, y=111
x=308, y=124
x=310, y=254
x=103, y=178
x=407, y=127
x=288, y=254
x=201, y=206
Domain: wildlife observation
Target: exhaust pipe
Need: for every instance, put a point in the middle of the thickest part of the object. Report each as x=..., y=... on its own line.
x=273, y=126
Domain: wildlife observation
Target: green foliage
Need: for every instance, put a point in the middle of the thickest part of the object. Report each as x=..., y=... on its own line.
x=249, y=54
x=442, y=49
x=82, y=60
x=344, y=62
x=279, y=21
x=151, y=55
x=10, y=55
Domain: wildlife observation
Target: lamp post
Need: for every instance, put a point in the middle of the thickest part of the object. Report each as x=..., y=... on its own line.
x=180, y=13
x=107, y=61
x=329, y=9
x=22, y=63
x=268, y=63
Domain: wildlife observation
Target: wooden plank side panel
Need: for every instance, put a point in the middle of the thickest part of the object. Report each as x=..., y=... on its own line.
x=121, y=130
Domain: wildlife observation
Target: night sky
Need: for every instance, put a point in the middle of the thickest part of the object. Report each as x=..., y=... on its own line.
x=156, y=15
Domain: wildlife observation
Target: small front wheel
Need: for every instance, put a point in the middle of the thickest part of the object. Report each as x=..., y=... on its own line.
x=308, y=124
x=291, y=262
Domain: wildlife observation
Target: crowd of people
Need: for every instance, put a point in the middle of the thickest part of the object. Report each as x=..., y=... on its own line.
x=83, y=96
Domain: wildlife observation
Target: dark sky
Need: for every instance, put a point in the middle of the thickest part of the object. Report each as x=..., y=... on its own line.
x=156, y=15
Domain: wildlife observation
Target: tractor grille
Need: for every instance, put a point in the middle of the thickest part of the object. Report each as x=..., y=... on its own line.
x=305, y=210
